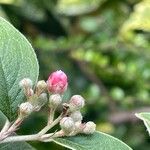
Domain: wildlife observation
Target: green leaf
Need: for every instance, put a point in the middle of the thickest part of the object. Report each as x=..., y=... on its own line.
x=96, y=141
x=17, y=61
x=145, y=117
x=16, y=146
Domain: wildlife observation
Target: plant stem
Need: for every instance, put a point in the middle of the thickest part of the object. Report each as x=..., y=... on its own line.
x=8, y=130
x=51, y=115
x=35, y=137
x=49, y=126
x=15, y=125
x=6, y=126
x=20, y=138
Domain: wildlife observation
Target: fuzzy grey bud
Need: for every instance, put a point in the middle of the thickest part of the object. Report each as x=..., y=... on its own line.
x=89, y=128
x=76, y=103
x=55, y=100
x=25, y=108
x=76, y=116
x=25, y=83
x=41, y=85
x=40, y=101
x=67, y=124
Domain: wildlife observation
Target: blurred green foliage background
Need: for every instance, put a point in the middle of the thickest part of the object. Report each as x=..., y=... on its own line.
x=104, y=47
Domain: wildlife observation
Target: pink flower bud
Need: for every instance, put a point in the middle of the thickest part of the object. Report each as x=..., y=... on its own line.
x=57, y=82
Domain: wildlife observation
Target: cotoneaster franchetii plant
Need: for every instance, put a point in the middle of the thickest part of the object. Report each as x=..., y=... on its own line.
x=21, y=94
x=70, y=119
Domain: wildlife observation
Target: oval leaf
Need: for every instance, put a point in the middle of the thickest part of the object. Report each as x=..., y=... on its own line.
x=96, y=141
x=17, y=61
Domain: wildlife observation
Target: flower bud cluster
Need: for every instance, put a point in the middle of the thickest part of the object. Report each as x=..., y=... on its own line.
x=35, y=98
x=57, y=83
x=73, y=124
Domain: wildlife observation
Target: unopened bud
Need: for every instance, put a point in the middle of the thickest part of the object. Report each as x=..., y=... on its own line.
x=67, y=124
x=25, y=108
x=41, y=85
x=89, y=128
x=76, y=103
x=55, y=100
x=76, y=116
x=25, y=83
x=57, y=82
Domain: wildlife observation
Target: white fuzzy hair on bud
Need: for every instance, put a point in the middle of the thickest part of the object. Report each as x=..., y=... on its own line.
x=76, y=103
x=26, y=108
x=55, y=100
x=76, y=116
x=25, y=83
x=67, y=125
x=89, y=128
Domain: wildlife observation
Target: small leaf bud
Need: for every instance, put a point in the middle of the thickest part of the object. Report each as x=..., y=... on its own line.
x=89, y=128
x=76, y=103
x=76, y=116
x=67, y=124
x=26, y=108
x=55, y=100
x=57, y=82
x=25, y=83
